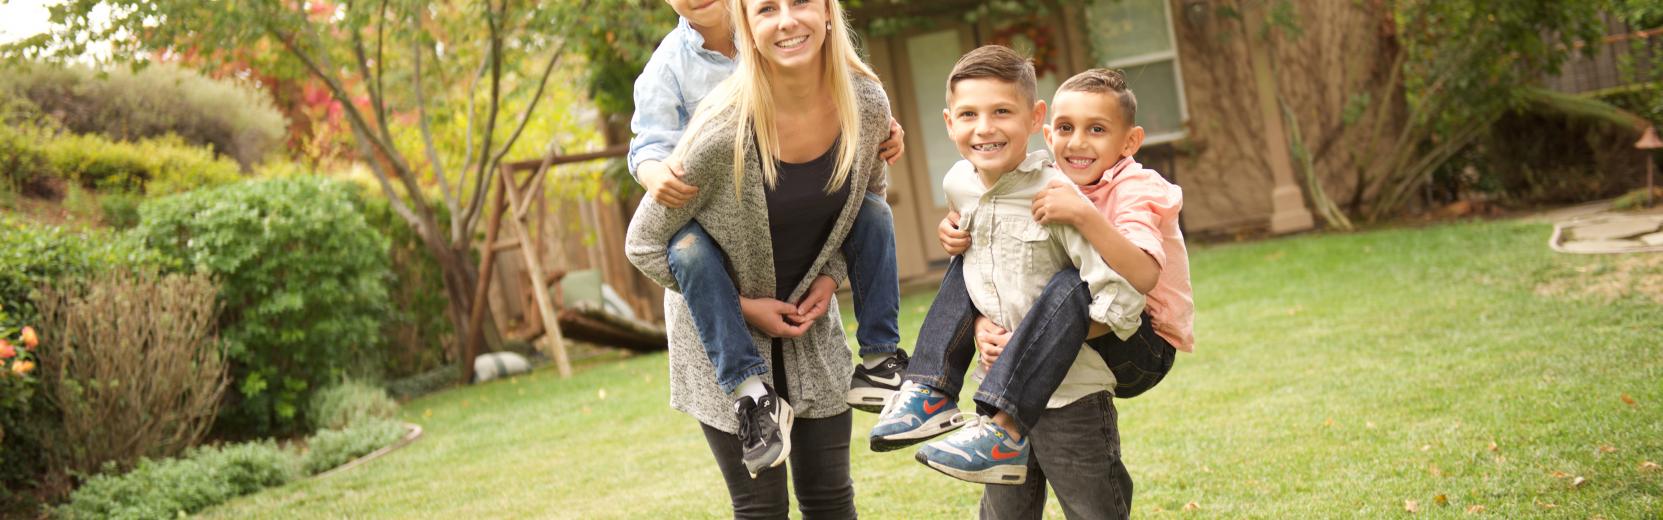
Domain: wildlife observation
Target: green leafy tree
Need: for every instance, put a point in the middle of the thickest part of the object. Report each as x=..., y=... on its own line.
x=393, y=66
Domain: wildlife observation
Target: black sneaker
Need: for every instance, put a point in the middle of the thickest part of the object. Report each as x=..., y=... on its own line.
x=871, y=387
x=764, y=430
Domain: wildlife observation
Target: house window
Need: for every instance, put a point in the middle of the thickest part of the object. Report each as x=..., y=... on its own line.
x=1137, y=36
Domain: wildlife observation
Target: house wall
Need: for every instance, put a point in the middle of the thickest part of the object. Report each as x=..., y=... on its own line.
x=1344, y=49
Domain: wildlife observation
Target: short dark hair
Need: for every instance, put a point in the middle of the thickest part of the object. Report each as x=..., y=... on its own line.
x=996, y=62
x=1106, y=81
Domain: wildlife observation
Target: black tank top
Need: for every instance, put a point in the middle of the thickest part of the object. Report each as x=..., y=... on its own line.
x=801, y=216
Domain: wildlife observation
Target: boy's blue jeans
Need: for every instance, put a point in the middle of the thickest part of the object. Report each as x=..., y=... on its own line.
x=1040, y=352
x=701, y=269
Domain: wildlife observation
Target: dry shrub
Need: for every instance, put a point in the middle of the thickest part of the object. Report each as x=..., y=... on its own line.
x=134, y=366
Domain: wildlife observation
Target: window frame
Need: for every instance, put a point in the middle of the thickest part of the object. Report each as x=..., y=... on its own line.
x=1150, y=58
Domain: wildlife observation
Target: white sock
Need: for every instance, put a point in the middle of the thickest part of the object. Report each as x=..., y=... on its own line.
x=871, y=361
x=751, y=386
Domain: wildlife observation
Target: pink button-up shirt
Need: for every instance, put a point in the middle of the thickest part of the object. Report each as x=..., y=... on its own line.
x=1144, y=207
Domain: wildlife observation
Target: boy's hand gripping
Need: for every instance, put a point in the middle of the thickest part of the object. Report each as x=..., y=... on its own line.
x=990, y=341
x=890, y=150
x=1061, y=203
x=953, y=239
x=663, y=183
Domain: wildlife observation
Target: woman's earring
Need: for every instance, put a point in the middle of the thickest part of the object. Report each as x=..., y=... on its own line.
x=828, y=26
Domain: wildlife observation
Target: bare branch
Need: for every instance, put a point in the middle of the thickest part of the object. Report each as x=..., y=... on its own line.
x=433, y=158
x=484, y=174
x=367, y=143
x=525, y=117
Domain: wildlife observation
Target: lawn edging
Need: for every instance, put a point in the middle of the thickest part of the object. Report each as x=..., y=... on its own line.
x=413, y=431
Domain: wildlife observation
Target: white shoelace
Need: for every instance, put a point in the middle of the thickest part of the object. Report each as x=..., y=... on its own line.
x=975, y=427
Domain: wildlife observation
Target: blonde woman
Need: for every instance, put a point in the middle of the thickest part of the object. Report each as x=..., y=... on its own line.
x=783, y=154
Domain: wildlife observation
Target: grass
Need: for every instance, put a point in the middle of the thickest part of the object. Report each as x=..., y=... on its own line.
x=1336, y=376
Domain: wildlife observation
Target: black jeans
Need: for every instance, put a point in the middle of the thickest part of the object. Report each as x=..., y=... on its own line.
x=1077, y=449
x=819, y=458
x=1040, y=352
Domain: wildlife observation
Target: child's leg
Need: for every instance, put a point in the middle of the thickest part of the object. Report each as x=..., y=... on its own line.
x=947, y=340
x=870, y=251
x=1039, y=353
x=700, y=269
x=924, y=406
x=1138, y=362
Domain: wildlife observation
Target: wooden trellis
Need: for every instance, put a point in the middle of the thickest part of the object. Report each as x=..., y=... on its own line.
x=524, y=203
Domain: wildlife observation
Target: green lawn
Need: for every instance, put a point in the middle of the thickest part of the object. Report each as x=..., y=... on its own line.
x=1335, y=376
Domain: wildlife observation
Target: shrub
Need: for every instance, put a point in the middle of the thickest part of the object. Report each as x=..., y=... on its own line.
x=176, y=487
x=348, y=404
x=303, y=286
x=23, y=165
x=133, y=366
x=120, y=210
x=330, y=448
x=419, y=331
x=153, y=166
x=161, y=99
x=32, y=256
x=433, y=380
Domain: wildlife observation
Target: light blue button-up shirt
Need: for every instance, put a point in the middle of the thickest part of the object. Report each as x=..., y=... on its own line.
x=679, y=75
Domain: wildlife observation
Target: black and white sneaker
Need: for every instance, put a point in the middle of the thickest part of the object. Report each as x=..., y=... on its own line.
x=764, y=430
x=871, y=387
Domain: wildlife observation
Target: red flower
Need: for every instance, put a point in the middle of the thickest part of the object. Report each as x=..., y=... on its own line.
x=30, y=340
x=6, y=349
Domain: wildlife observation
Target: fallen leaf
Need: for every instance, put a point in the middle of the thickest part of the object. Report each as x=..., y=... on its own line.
x=1426, y=447
x=1369, y=424
x=1629, y=400
x=585, y=410
x=1475, y=510
x=1192, y=506
x=1434, y=471
x=427, y=413
x=1441, y=500
x=1411, y=506
x=1607, y=448
x=1158, y=509
x=1208, y=469
x=1329, y=422
x=601, y=394
x=1648, y=466
x=1546, y=505
x=1560, y=474
x=1578, y=482
x=1493, y=446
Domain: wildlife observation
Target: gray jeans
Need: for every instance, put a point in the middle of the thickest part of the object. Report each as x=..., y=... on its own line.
x=1077, y=449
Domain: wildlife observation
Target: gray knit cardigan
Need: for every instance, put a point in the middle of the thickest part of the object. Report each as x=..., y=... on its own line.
x=818, y=364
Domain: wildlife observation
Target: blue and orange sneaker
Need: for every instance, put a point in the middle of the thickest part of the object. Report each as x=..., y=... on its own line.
x=913, y=414
x=982, y=452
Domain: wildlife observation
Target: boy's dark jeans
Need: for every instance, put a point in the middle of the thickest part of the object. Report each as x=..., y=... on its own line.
x=701, y=269
x=1076, y=449
x=1040, y=351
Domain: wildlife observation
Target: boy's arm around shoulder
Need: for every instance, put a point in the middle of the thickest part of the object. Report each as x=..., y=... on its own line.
x=1142, y=206
x=1114, y=302
x=708, y=163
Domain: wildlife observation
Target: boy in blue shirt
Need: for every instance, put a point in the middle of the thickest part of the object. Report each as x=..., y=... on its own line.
x=698, y=54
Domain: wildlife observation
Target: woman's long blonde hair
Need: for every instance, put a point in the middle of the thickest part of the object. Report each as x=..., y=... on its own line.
x=748, y=97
